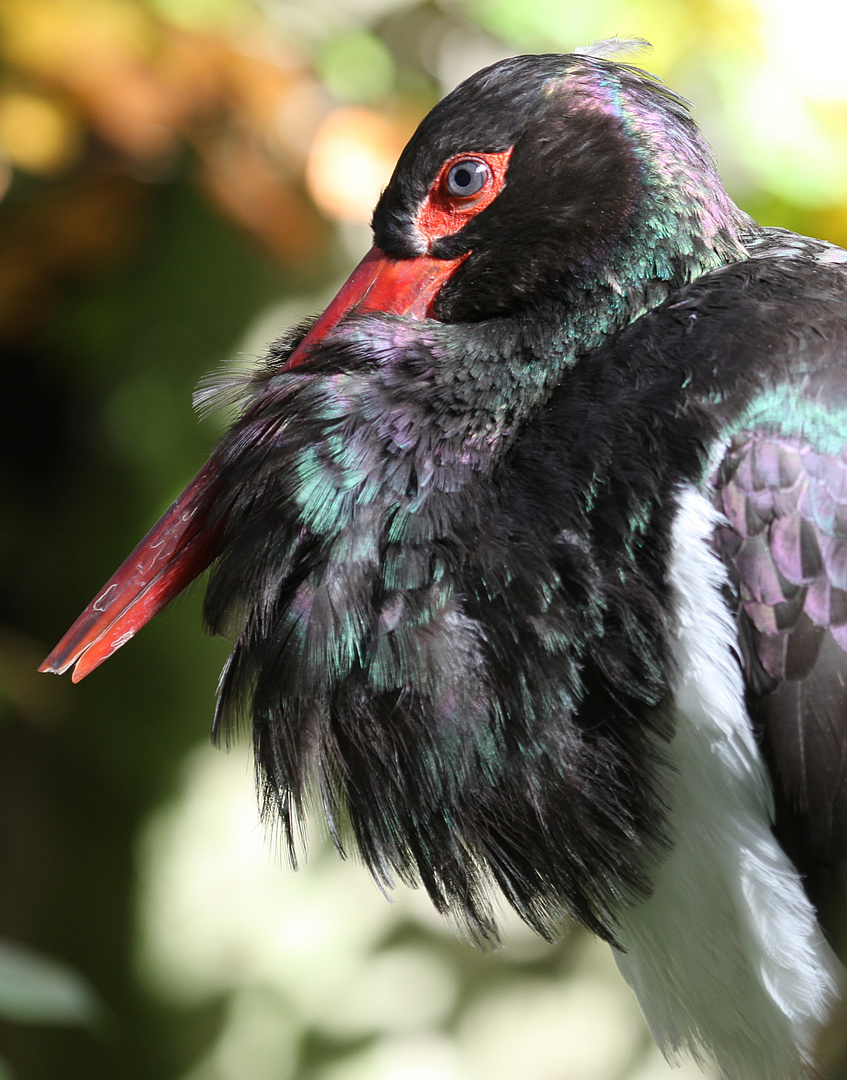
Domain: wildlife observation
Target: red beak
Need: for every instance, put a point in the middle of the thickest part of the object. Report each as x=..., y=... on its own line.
x=182, y=544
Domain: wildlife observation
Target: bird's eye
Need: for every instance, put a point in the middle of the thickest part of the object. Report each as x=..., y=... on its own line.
x=467, y=177
x=465, y=185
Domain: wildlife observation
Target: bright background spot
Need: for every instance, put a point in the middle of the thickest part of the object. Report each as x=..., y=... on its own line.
x=322, y=954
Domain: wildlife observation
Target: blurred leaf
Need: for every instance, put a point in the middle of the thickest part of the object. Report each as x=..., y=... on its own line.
x=357, y=67
x=35, y=989
x=68, y=41
x=39, y=135
x=200, y=13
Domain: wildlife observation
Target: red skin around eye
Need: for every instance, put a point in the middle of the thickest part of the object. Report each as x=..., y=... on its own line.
x=443, y=214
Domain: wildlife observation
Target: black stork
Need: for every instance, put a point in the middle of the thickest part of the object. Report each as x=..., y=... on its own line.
x=534, y=551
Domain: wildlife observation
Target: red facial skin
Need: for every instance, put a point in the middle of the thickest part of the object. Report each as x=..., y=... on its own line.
x=443, y=214
x=183, y=543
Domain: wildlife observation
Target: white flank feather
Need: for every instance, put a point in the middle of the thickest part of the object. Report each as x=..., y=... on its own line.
x=726, y=956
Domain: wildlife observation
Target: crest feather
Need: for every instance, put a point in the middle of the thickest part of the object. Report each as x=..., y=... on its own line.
x=614, y=48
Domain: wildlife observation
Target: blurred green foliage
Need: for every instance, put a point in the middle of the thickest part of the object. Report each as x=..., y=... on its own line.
x=162, y=191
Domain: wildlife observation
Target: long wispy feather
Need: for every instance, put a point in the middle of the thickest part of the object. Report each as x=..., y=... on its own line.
x=614, y=48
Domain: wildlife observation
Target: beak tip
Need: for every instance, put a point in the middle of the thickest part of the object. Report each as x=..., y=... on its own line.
x=89, y=659
x=50, y=665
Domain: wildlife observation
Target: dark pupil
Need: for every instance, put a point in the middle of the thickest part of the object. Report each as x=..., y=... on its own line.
x=467, y=178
